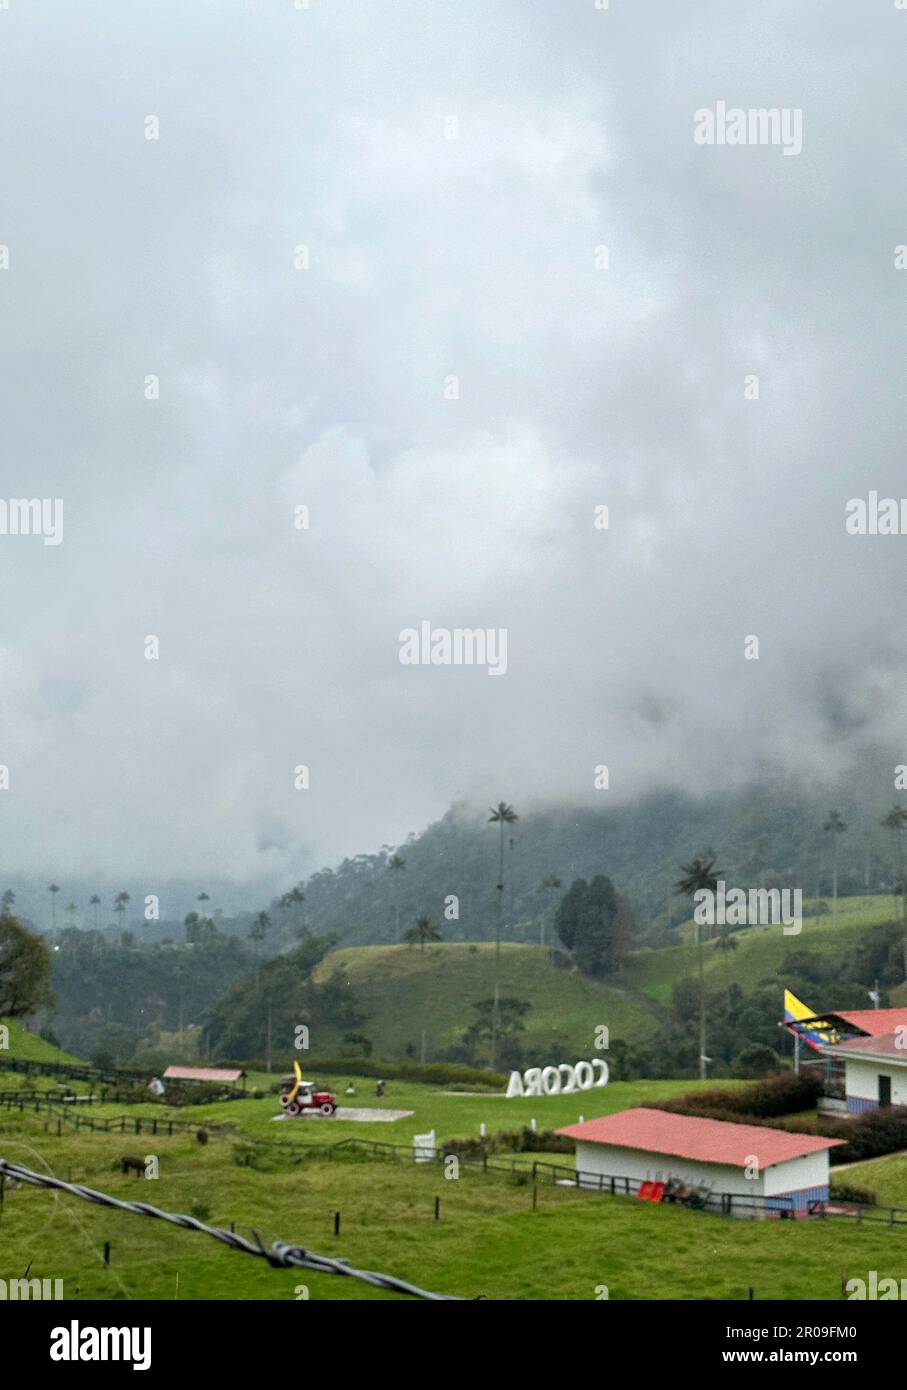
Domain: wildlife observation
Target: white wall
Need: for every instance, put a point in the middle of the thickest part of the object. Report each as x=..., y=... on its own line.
x=862, y=1079
x=797, y=1173
x=637, y=1163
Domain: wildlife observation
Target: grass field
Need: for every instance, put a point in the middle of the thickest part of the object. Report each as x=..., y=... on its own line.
x=488, y=1242
x=451, y=1116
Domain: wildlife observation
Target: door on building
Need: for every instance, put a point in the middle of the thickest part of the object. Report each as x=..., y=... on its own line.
x=884, y=1090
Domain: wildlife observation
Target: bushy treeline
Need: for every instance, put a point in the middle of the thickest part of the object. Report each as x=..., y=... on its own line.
x=112, y=995
x=767, y=1099
x=432, y=1073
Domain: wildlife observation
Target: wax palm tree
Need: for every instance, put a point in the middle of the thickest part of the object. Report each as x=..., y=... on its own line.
x=424, y=930
x=699, y=874
x=53, y=889
x=202, y=898
x=259, y=929
x=834, y=826
x=290, y=900
x=71, y=910
x=95, y=902
x=9, y=898
x=397, y=864
x=896, y=821
x=549, y=884
x=501, y=815
x=119, y=904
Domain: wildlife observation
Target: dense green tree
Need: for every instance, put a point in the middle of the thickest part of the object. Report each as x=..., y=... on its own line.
x=756, y=1061
x=24, y=969
x=595, y=924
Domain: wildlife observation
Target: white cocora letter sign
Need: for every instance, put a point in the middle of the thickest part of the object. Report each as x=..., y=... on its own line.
x=559, y=1080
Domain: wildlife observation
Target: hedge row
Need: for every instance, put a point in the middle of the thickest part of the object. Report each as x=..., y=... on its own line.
x=435, y=1073
x=518, y=1141
x=786, y=1094
x=873, y=1135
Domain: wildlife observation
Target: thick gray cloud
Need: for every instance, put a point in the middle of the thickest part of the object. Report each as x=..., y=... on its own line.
x=324, y=387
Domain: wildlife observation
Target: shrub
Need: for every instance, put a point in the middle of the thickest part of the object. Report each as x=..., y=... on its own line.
x=777, y=1095
x=847, y=1192
x=873, y=1135
x=755, y=1062
x=518, y=1141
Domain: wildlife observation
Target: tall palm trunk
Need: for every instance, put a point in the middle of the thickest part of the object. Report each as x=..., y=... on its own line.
x=702, y=1071
x=500, y=900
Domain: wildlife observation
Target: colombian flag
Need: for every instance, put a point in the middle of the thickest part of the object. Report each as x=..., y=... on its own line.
x=819, y=1035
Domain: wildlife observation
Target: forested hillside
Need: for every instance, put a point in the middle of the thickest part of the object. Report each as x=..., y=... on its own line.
x=762, y=836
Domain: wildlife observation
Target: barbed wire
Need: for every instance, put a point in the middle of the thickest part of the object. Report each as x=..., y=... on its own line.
x=281, y=1255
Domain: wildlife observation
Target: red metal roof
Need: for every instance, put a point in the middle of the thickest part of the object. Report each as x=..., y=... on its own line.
x=874, y=1022
x=884, y=1046
x=708, y=1141
x=202, y=1074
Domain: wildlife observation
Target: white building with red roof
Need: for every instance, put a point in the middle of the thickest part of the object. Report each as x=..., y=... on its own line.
x=875, y=1069
x=773, y=1168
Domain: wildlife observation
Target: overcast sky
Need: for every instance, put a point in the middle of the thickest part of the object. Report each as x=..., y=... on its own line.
x=432, y=257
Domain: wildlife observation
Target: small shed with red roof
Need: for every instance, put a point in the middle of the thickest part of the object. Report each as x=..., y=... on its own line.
x=648, y=1145
x=216, y=1075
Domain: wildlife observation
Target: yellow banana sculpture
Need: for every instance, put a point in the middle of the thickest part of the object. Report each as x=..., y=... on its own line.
x=298, y=1070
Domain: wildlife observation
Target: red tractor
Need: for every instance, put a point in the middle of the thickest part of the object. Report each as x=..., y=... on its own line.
x=299, y=1097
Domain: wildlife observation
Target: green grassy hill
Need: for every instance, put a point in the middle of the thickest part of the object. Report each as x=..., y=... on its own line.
x=761, y=951
x=28, y=1047
x=404, y=990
